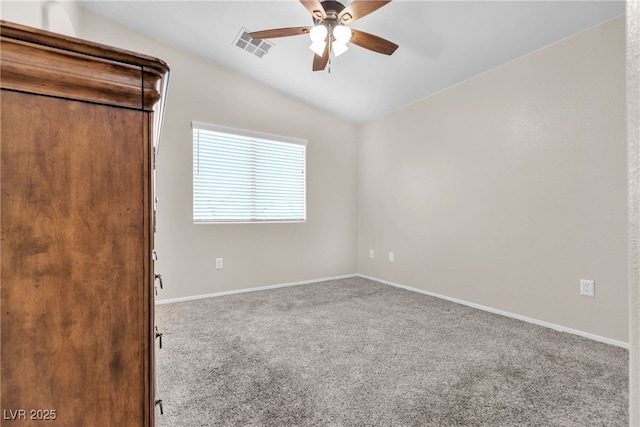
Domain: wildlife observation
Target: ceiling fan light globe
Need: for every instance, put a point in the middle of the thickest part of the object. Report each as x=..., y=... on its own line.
x=318, y=47
x=318, y=34
x=342, y=34
x=338, y=48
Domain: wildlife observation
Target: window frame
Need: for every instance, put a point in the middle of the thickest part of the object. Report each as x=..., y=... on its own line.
x=255, y=137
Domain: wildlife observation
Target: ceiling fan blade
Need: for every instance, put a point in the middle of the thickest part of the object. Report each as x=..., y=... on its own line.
x=320, y=62
x=371, y=42
x=315, y=8
x=279, y=32
x=359, y=8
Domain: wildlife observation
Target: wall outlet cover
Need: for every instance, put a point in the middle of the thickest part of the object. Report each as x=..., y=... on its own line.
x=587, y=288
x=219, y=263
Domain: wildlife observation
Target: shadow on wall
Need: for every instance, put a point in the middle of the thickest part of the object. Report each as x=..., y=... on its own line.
x=56, y=18
x=60, y=17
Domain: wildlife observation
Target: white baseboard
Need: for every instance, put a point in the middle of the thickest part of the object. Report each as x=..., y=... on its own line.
x=409, y=288
x=241, y=291
x=506, y=313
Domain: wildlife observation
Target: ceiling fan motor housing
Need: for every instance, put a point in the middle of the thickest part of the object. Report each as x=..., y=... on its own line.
x=332, y=9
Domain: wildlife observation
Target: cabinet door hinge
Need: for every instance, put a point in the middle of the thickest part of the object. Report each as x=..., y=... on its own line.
x=153, y=158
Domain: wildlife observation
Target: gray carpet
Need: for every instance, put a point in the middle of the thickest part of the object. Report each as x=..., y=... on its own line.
x=355, y=352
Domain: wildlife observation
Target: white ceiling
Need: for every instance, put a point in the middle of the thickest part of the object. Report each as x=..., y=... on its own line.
x=441, y=43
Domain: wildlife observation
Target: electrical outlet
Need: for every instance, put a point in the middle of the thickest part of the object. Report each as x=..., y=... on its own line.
x=587, y=288
x=391, y=257
x=219, y=263
x=371, y=253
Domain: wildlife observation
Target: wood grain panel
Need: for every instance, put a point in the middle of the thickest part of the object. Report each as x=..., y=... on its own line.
x=74, y=297
x=148, y=267
x=76, y=69
x=60, y=73
x=39, y=37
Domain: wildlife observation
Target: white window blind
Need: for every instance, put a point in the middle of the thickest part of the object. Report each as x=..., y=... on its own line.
x=243, y=176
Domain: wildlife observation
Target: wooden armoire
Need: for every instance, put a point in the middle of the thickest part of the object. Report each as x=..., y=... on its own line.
x=76, y=213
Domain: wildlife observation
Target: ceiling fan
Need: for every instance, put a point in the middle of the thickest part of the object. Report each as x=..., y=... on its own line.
x=330, y=32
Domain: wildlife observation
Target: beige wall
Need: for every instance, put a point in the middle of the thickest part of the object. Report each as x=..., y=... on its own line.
x=509, y=188
x=503, y=191
x=254, y=254
x=633, y=134
x=59, y=16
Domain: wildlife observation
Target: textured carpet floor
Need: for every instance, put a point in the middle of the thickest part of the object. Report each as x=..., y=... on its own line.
x=355, y=352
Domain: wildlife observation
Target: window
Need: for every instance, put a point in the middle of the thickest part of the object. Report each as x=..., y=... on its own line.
x=243, y=176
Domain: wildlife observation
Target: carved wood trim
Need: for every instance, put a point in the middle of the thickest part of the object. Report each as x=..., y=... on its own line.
x=41, y=62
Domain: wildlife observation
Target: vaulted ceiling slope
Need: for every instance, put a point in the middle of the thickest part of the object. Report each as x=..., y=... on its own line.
x=441, y=43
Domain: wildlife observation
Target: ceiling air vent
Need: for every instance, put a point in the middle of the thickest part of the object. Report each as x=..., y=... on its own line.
x=257, y=47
